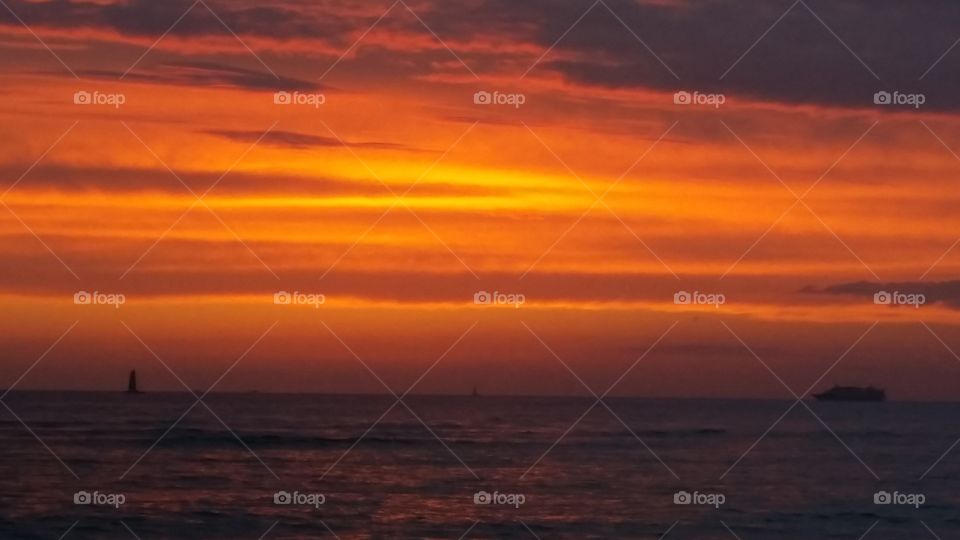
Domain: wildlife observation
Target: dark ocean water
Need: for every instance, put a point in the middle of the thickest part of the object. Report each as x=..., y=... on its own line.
x=400, y=479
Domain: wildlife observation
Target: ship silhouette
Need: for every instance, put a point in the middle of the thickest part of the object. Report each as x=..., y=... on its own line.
x=132, y=383
x=852, y=393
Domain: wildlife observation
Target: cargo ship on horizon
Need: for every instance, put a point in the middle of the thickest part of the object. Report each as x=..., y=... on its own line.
x=852, y=393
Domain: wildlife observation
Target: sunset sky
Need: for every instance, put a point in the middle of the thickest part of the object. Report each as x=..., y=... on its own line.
x=398, y=197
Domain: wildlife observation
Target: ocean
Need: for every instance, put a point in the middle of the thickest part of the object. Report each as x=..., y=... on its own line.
x=109, y=465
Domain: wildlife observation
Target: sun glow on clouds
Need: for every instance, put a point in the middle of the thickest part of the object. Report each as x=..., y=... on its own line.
x=598, y=195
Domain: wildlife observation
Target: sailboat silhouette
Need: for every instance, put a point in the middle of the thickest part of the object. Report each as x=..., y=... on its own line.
x=132, y=384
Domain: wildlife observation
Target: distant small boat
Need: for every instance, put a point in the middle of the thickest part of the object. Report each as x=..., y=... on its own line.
x=852, y=393
x=475, y=393
x=132, y=383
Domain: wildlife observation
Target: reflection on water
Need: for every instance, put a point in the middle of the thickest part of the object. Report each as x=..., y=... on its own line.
x=312, y=466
